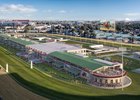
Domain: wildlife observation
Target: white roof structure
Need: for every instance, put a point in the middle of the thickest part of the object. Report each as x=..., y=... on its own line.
x=96, y=46
x=39, y=38
x=52, y=47
x=104, y=61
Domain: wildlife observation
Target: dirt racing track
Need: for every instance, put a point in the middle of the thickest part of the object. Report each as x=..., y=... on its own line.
x=11, y=90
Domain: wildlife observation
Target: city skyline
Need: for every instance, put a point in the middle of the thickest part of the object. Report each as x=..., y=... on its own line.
x=70, y=9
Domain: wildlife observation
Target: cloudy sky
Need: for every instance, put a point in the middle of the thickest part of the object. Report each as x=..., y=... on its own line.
x=70, y=9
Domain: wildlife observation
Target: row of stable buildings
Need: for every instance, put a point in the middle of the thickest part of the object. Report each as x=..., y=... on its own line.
x=117, y=36
x=69, y=58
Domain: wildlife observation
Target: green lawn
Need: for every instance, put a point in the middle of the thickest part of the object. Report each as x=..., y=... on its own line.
x=129, y=63
x=44, y=67
x=54, y=72
x=83, y=44
x=57, y=89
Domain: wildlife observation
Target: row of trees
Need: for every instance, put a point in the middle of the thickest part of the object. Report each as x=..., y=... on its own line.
x=129, y=27
x=83, y=30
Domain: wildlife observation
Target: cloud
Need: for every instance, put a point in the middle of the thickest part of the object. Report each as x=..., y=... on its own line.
x=62, y=11
x=19, y=8
x=56, y=11
x=132, y=14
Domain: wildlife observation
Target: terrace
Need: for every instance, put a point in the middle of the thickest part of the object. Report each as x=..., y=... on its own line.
x=110, y=73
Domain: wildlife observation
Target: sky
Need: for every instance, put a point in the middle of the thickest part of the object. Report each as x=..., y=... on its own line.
x=70, y=9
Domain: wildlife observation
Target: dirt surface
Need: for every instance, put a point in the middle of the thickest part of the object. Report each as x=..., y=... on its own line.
x=11, y=90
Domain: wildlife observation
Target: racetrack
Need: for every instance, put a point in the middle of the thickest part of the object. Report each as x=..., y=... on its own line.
x=56, y=89
x=11, y=90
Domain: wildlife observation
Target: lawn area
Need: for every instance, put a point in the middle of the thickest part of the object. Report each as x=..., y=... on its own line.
x=56, y=89
x=129, y=63
x=44, y=67
x=83, y=44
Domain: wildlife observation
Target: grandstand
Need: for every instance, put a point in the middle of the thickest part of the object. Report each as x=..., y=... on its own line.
x=15, y=41
x=84, y=62
x=21, y=41
x=95, y=71
x=68, y=58
x=40, y=51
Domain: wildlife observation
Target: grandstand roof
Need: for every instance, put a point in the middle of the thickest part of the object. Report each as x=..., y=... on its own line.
x=3, y=35
x=83, y=62
x=17, y=40
x=20, y=41
x=52, y=47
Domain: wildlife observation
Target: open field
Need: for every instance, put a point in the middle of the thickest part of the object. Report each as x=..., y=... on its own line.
x=56, y=89
x=11, y=90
